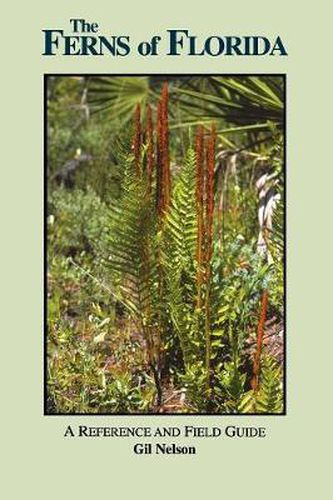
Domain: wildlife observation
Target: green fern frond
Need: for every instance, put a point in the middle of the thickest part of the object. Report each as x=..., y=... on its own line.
x=269, y=398
x=181, y=221
x=132, y=246
x=178, y=257
x=247, y=403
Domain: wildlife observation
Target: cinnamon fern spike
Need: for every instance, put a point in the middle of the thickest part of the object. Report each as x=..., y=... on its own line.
x=163, y=160
x=260, y=336
x=137, y=140
x=210, y=165
x=150, y=146
x=159, y=163
x=165, y=139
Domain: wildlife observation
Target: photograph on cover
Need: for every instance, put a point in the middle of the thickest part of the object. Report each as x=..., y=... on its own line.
x=164, y=244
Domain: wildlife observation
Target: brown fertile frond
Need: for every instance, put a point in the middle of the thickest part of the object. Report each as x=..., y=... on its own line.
x=210, y=166
x=159, y=163
x=163, y=160
x=166, y=158
x=150, y=145
x=137, y=140
x=260, y=336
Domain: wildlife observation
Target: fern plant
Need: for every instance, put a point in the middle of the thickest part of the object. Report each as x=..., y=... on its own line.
x=132, y=248
x=194, y=312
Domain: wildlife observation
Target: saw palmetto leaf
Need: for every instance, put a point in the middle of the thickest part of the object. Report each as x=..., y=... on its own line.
x=118, y=95
x=246, y=101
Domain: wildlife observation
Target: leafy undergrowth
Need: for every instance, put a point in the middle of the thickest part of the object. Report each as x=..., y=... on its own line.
x=97, y=359
x=95, y=364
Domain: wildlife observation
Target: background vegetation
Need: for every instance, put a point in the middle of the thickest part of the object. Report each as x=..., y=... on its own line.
x=165, y=244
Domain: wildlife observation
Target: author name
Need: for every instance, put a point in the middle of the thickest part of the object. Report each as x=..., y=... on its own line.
x=163, y=449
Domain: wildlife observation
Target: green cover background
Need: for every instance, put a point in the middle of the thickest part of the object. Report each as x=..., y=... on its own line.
x=293, y=459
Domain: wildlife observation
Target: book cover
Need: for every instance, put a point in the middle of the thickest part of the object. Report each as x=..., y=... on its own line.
x=165, y=249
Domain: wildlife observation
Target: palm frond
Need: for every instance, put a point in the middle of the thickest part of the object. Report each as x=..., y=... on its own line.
x=118, y=95
x=246, y=101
